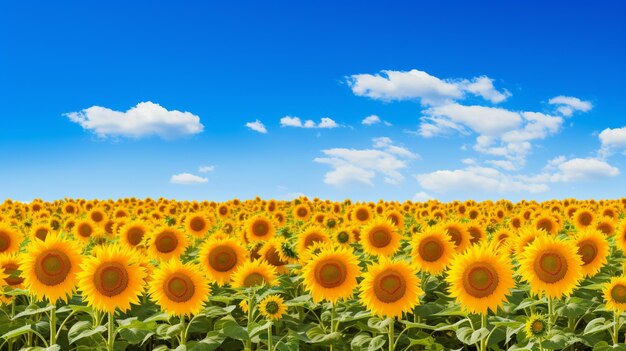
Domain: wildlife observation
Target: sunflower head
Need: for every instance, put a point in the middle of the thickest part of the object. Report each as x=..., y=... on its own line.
x=272, y=307
x=432, y=250
x=219, y=258
x=165, y=243
x=361, y=214
x=331, y=274
x=593, y=249
x=615, y=294
x=259, y=228
x=458, y=234
x=380, y=237
x=197, y=224
x=10, y=240
x=536, y=326
x=179, y=289
x=310, y=236
x=254, y=274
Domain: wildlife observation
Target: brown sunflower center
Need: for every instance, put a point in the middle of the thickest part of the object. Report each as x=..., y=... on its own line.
x=475, y=234
x=11, y=270
x=166, y=242
x=330, y=273
x=135, y=235
x=430, y=249
x=585, y=218
x=618, y=293
x=480, y=279
x=52, y=267
x=271, y=307
x=111, y=279
x=545, y=224
x=302, y=212
x=84, y=230
x=362, y=214
x=5, y=241
x=222, y=258
x=343, y=237
x=538, y=326
x=389, y=286
x=588, y=250
x=272, y=257
x=97, y=216
x=41, y=233
x=197, y=224
x=313, y=238
x=455, y=235
x=380, y=237
x=260, y=228
x=223, y=211
x=253, y=279
x=605, y=228
x=550, y=267
x=179, y=287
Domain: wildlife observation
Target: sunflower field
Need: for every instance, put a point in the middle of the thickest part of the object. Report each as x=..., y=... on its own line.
x=145, y=274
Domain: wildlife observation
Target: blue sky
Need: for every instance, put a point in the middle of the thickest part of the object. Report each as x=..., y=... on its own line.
x=481, y=101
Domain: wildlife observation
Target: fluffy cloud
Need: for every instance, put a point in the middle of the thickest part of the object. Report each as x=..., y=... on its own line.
x=612, y=139
x=579, y=169
x=296, y=122
x=567, y=105
x=206, y=169
x=145, y=119
x=362, y=166
x=187, y=179
x=372, y=120
x=418, y=85
x=257, y=126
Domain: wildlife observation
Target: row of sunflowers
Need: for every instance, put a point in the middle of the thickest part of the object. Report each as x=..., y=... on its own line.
x=308, y=274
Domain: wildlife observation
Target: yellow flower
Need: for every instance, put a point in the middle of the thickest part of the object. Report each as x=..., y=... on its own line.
x=179, y=289
x=272, y=307
x=432, y=250
x=380, y=237
x=615, y=294
x=255, y=273
x=331, y=274
x=220, y=258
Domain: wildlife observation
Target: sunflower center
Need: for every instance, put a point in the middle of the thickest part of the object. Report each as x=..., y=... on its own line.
x=430, y=250
x=550, y=267
x=84, y=230
x=455, y=235
x=166, y=242
x=313, y=238
x=134, y=236
x=5, y=241
x=537, y=326
x=222, y=258
x=260, y=228
x=331, y=273
x=179, y=287
x=588, y=251
x=41, y=234
x=389, y=286
x=97, y=216
x=272, y=257
x=343, y=237
x=618, y=293
x=253, y=279
x=13, y=278
x=111, y=279
x=545, y=224
x=475, y=235
x=302, y=212
x=585, y=218
x=362, y=215
x=197, y=224
x=52, y=267
x=480, y=279
x=271, y=307
x=380, y=238
x=223, y=211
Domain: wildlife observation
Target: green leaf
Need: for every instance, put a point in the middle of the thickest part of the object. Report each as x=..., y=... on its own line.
x=17, y=332
x=377, y=342
x=212, y=341
x=230, y=328
x=83, y=329
x=597, y=325
x=33, y=309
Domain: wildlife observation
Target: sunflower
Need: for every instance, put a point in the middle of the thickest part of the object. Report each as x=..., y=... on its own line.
x=593, y=248
x=301, y=212
x=390, y=288
x=272, y=307
x=380, y=238
x=223, y=211
x=361, y=214
x=259, y=228
x=343, y=236
x=480, y=279
x=547, y=222
x=583, y=218
x=179, y=289
x=41, y=231
x=432, y=250
x=10, y=265
x=459, y=235
x=49, y=267
x=396, y=217
x=270, y=252
x=606, y=226
x=220, y=258
x=197, y=224
x=84, y=229
x=166, y=243
x=309, y=237
x=525, y=237
x=620, y=236
x=97, y=216
x=10, y=240
x=615, y=294
x=254, y=273
x=551, y=266
x=536, y=326
x=112, y=278
x=132, y=234
x=331, y=274
x=476, y=233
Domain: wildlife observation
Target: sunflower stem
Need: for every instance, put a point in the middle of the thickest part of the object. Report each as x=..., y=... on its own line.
x=540, y=344
x=269, y=337
x=53, y=326
x=551, y=311
x=250, y=307
x=111, y=331
x=483, y=324
x=615, y=334
x=183, y=331
x=391, y=334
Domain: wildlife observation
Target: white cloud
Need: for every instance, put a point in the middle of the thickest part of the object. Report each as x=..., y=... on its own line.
x=612, y=139
x=581, y=169
x=373, y=119
x=257, y=126
x=206, y=169
x=362, y=166
x=567, y=105
x=421, y=197
x=483, y=120
x=145, y=119
x=187, y=179
x=418, y=85
x=296, y=122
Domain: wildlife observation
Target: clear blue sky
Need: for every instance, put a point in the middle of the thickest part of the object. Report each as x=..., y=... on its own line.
x=483, y=100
